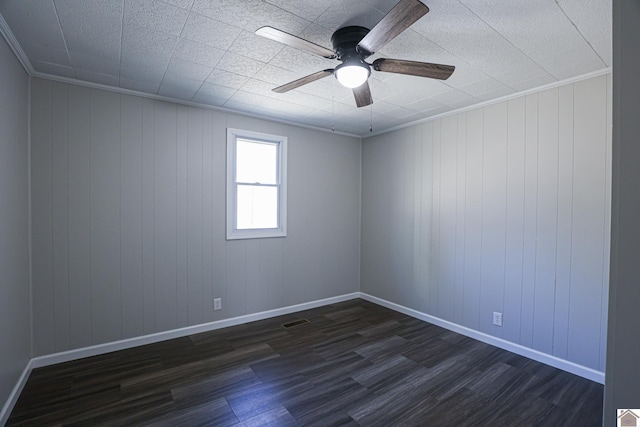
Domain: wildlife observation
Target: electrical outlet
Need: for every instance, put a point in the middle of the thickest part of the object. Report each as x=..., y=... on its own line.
x=217, y=303
x=497, y=318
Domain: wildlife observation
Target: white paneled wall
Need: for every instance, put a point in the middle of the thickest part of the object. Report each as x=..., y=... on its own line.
x=15, y=313
x=129, y=227
x=502, y=208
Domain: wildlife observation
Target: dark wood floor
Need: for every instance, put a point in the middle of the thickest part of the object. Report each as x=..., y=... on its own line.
x=353, y=363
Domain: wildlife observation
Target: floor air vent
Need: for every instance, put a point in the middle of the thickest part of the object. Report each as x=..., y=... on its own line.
x=295, y=323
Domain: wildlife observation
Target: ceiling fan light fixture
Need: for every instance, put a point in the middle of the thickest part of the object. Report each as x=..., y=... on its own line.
x=352, y=75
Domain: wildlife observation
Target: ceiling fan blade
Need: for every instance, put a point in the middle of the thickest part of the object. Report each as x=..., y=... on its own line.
x=362, y=94
x=294, y=41
x=403, y=14
x=303, y=81
x=413, y=68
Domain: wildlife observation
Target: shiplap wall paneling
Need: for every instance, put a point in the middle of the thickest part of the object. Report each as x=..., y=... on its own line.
x=78, y=199
x=606, y=235
x=530, y=219
x=547, y=221
x=473, y=219
x=588, y=221
x=447, y=215
x=148, y=216
x=129, y=219
x=494, y=211
x=42, y=229
x=565, y=214
x=424, y=215
x=106, y=302
x=461, y=194
x=60, y=231
x=514, y=244
x=512, y=214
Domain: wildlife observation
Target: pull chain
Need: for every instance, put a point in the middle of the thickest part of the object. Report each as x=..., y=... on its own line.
x=371, y=118
x=333, y=114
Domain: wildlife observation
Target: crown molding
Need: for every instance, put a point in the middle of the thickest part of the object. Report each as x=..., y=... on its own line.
x=15, y=46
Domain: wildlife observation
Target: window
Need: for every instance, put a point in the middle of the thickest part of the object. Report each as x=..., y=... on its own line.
x=256, y=185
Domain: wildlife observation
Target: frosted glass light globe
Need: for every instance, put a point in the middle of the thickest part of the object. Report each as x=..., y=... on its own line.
x=352, y=76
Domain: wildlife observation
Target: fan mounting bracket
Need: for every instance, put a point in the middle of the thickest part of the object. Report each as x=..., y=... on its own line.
x=345, y=42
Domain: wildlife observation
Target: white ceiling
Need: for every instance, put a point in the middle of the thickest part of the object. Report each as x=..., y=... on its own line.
x=205, y=51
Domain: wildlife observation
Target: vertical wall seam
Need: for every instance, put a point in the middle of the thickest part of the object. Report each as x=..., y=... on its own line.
x=506, y=214
x=120, y=216
x=555, y=264
x=90, y=179
x=30, y=217
x=573, y=176
x=66, y=183
x=51, y=187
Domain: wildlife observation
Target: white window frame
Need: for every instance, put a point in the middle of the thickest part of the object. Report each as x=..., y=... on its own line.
x=232, y=231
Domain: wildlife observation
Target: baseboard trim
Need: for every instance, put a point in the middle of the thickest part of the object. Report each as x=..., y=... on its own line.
x=94, y=350
x=556, y=362
x=15, y=393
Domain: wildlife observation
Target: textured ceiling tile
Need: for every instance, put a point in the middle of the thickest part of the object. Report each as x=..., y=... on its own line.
x=319, y=35
x=35, y=25
x=276, y=75
x=142, y=73
x=155, y=15
x=267, y=14
x=239, y=64
x=230, y=12
x=209, y=31
x=259, y=88
x=40, y=52
x=140, y=85
x=349, y=12
x=253, y=46
x=304, y=99
x=307, y=9
x=465, y=75
x=53, y=69
x=92, y=27
x=593, y=19
x=301, y=62
x=513, y=77
x=185, y=4
x=285, y=110
x=539, y=29
x=227, y=79
x=90, y=76
x=180, y=88
x=213, y=94
x=495, y=94
x=248, y=97
x=454, y=98
x=484, y=86
x=188, y=70
x=146, y=47
x=94, y=63
x=460, y=32
x=424, y=105
x=413, y=46
x=198, y=53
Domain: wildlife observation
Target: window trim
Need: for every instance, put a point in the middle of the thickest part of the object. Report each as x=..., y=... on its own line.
x=232, y=232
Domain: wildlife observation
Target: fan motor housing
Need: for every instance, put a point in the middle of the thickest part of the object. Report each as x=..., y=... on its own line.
x=345, y=40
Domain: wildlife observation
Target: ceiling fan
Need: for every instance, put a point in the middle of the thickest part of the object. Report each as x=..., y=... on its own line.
x=352, y=45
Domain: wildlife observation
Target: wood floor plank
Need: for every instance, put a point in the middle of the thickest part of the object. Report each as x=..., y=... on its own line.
x=352, y=363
